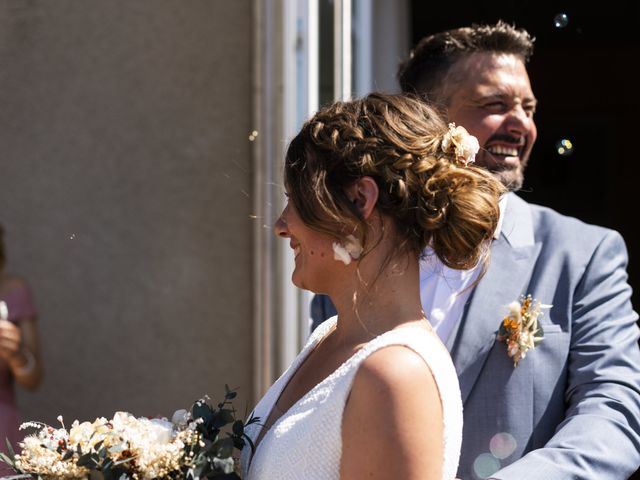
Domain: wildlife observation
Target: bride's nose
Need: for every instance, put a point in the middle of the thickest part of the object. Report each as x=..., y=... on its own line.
x=281, y=229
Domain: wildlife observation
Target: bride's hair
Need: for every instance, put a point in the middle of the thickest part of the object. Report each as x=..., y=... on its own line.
x=430, y=195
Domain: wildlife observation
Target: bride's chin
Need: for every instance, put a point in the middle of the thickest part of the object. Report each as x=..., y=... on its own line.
x=297, y=281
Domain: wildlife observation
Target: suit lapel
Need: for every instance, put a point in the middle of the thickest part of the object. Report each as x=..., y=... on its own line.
x=513, y=257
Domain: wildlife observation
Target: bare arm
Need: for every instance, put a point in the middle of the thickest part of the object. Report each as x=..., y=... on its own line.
x=392, y=425
x=20, y=342
x=28, y=378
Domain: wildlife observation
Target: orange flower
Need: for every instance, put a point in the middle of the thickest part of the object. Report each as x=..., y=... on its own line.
x=520, y=328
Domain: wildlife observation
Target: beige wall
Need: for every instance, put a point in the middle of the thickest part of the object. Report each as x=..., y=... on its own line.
x=391, y=42
x=125, y=190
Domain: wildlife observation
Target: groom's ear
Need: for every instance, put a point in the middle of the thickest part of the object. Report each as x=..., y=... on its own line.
x=363, y=193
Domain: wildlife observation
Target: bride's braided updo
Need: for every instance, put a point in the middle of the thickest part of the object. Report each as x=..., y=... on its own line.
x=432, y=197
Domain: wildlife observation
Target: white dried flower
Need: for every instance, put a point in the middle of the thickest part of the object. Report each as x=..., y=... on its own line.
x=351, y=249
x=340, y=253
x=514, y=309
x=465, y=146
x=181, y=418
x=353, y=246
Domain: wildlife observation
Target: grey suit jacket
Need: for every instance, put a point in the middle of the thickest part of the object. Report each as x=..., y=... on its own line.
x=571, y=408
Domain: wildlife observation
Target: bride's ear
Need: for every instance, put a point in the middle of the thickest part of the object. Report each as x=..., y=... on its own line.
x=363, y=193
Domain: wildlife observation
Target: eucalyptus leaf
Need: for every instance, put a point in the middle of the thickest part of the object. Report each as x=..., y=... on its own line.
x=5, y=459
x=126, y=460
x=86, y=460
x=10, y=452
x=202, y=410
x=102, y=454
x=224, y=417
x=238, y=442
x=238, y=427
x=67, y=455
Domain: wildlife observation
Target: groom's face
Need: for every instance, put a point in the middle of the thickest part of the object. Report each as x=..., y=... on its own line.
x=490, y=95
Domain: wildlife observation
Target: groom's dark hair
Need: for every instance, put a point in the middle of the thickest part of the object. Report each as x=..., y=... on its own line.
x=431, y=59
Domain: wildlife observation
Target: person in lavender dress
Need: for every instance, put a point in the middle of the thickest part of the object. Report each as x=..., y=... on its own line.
x=20, y=360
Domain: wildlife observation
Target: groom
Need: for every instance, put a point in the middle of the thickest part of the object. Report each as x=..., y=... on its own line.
x=571, y=407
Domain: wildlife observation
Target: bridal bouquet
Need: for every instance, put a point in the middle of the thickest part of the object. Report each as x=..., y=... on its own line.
x=193, y=445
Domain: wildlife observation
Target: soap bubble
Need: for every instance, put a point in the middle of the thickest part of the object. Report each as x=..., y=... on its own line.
x=502, y=445
x=564, y=147
x=485, y=465
x=561, y=20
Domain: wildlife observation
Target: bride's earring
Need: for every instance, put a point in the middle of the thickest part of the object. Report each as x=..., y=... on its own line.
x=350, y=249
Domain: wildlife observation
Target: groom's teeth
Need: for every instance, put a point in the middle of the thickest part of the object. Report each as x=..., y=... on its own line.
x=296, y=251
x=506, y=151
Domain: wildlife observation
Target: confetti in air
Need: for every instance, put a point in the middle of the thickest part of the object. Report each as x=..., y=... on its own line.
x=564, y=147
x=485, y=465
x=561, y=20
x=502, y=445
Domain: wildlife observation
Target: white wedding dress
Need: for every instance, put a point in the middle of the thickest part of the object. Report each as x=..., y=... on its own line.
x=305, y=442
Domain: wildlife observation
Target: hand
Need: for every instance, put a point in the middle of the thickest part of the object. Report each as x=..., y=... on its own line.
x=10, y=340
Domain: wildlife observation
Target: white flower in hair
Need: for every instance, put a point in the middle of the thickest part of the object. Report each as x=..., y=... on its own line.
x=465, y=146
x=351, y=249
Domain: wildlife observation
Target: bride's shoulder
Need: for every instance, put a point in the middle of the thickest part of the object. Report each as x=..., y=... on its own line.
x=397, y=370
x=393, y=392
x=394, y=369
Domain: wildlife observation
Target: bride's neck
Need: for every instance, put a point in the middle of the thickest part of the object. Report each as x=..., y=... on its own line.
x=379, y=300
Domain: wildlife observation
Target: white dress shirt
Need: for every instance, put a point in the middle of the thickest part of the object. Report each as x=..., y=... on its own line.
x=445, y=291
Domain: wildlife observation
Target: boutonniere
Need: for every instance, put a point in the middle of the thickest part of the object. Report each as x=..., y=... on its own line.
x=520, y=329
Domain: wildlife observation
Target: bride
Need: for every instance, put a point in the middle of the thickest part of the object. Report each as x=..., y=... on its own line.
x=374, y=394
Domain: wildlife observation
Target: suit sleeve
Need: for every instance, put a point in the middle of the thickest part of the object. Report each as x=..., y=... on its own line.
x=321, y=309
x=599, y=437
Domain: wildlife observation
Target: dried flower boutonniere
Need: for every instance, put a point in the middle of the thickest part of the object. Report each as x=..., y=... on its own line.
x=520, y=329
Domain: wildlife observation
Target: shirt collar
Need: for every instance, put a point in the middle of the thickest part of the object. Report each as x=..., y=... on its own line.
x=502, y=205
